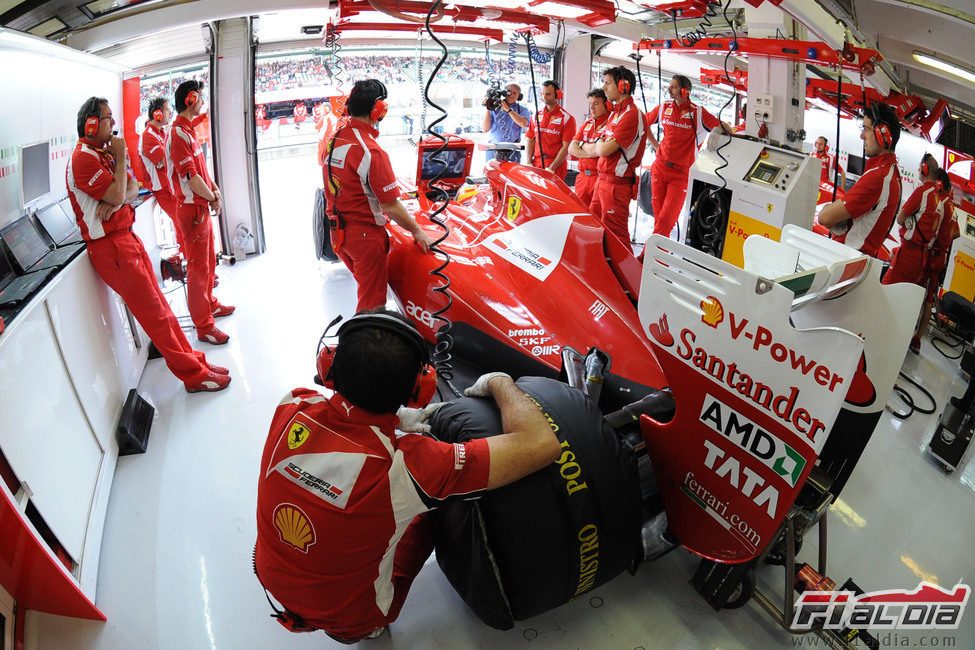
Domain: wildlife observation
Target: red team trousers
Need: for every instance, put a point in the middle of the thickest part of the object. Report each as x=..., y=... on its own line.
x=585, y=185
x=167, y=202
x=121, y=261
x=365, y=252
x=908, y=265
x=611, y=203
x=669, y=187
x=194, y=221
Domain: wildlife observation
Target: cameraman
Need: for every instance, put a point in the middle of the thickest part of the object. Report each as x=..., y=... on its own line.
x=505, y=119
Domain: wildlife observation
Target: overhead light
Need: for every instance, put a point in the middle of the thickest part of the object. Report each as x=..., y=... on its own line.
x=944, y=66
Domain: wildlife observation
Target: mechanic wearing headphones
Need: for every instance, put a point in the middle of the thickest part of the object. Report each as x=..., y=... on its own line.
x=100, y=192
x=557, y=128
x=863, y=217
x=152, y=149
x=684, y=124
x=196, y=195
x=506, y=123
x=341, y=530
x=829, y=162
x=360, y=190
x=590, y=131
x=919, y=219
x=620, y=150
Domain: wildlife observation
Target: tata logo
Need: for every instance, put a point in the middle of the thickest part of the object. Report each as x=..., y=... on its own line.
x=752, y=439
x=742, y=478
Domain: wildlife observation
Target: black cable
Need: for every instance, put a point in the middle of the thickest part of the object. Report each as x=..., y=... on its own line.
x=952, y=346
x=445, y=340
x=691, y=38
x=908, y=399
x=538, y=125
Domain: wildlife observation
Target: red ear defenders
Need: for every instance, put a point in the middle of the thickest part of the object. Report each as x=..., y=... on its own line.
x=425, y=386
x=157, y=115
x=925, y=168
x=825, y=147
x=623, y=86
x=880, y=130
x=685, y=92
x=191, y=98
x=91, y=126
x=380, y=108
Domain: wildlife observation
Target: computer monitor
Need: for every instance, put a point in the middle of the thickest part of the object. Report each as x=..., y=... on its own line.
x=24, y=242
x=56, y=223
x=454, y=161
x=7, y=273
x=35, y=171
x=854, y=165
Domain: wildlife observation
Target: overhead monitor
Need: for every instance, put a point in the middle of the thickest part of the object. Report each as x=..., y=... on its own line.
x=35, y=171
x=854, y=165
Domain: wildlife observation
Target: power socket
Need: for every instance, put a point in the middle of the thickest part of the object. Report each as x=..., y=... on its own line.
x=763, y=108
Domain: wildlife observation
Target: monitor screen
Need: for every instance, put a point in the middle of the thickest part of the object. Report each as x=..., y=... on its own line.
x=58, y=225
x=35, y=171
x=456, y=160
x=24, y=242
x=7, y=273
x=854, y=165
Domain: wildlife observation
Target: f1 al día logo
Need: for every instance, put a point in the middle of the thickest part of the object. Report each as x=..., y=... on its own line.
x=929, y=607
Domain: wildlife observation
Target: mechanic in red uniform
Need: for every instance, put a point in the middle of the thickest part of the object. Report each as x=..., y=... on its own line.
x=300, y=113
x=341, y=531
x=590, y=131
x=360, y=189
x=551, y=150
x=152, y=148
x=863, y=217
x=821, y=151
x=196, y=195
x=919, y=219
x=937, y=258
x=684, y=124
x=100, y=192
x=620, y=151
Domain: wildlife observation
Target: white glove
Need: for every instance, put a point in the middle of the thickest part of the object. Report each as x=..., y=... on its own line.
x=414, y=420
x=480, y=387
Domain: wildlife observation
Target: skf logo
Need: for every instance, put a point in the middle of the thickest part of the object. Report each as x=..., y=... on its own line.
x=926, y=608
x=713, y=311
x=514, y=207
x=293, y=526
x=297, y=435
x=598, y=309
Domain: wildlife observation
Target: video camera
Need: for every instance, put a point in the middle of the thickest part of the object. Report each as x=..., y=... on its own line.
x=492, y=100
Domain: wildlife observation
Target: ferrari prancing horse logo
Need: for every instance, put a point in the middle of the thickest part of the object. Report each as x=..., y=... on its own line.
x=514, y=207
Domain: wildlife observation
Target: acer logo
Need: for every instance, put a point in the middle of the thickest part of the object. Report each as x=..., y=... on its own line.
x=419, y=314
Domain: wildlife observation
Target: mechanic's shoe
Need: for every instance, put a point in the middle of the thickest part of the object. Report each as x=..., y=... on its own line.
x=915, y=345
x=223, y=310
x=214, y=336
x=220, y=370
x=960, y=403
x=210, y=384
x=375, y=634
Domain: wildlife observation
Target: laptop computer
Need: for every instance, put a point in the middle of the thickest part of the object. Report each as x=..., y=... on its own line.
x=15, y=289
x=59, y=226
x=28, y=249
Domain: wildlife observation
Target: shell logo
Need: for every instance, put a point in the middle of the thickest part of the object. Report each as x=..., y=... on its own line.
x=294, y=527
x=713, y=311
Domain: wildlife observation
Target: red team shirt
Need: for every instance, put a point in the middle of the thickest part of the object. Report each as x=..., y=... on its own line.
x=827, y=159
x=364, y=175
x=873, y=203
x=337, y=490
x=90, y=172
x=947, y=231
x=152, y=148
x=557, y=128
x=625, y=125
x=590, y=131
x=923, y=227
x=683, y=128
x=184, y=156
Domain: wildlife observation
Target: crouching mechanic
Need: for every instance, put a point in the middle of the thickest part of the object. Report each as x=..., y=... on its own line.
x=360, y=189
x=341, y=529
x=101, y=192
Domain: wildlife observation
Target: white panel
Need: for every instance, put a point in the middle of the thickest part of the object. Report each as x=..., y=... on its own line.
x=160, y=46
x=43, y=430
x=96, y=342
x=577, y=57
x=43, y=85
